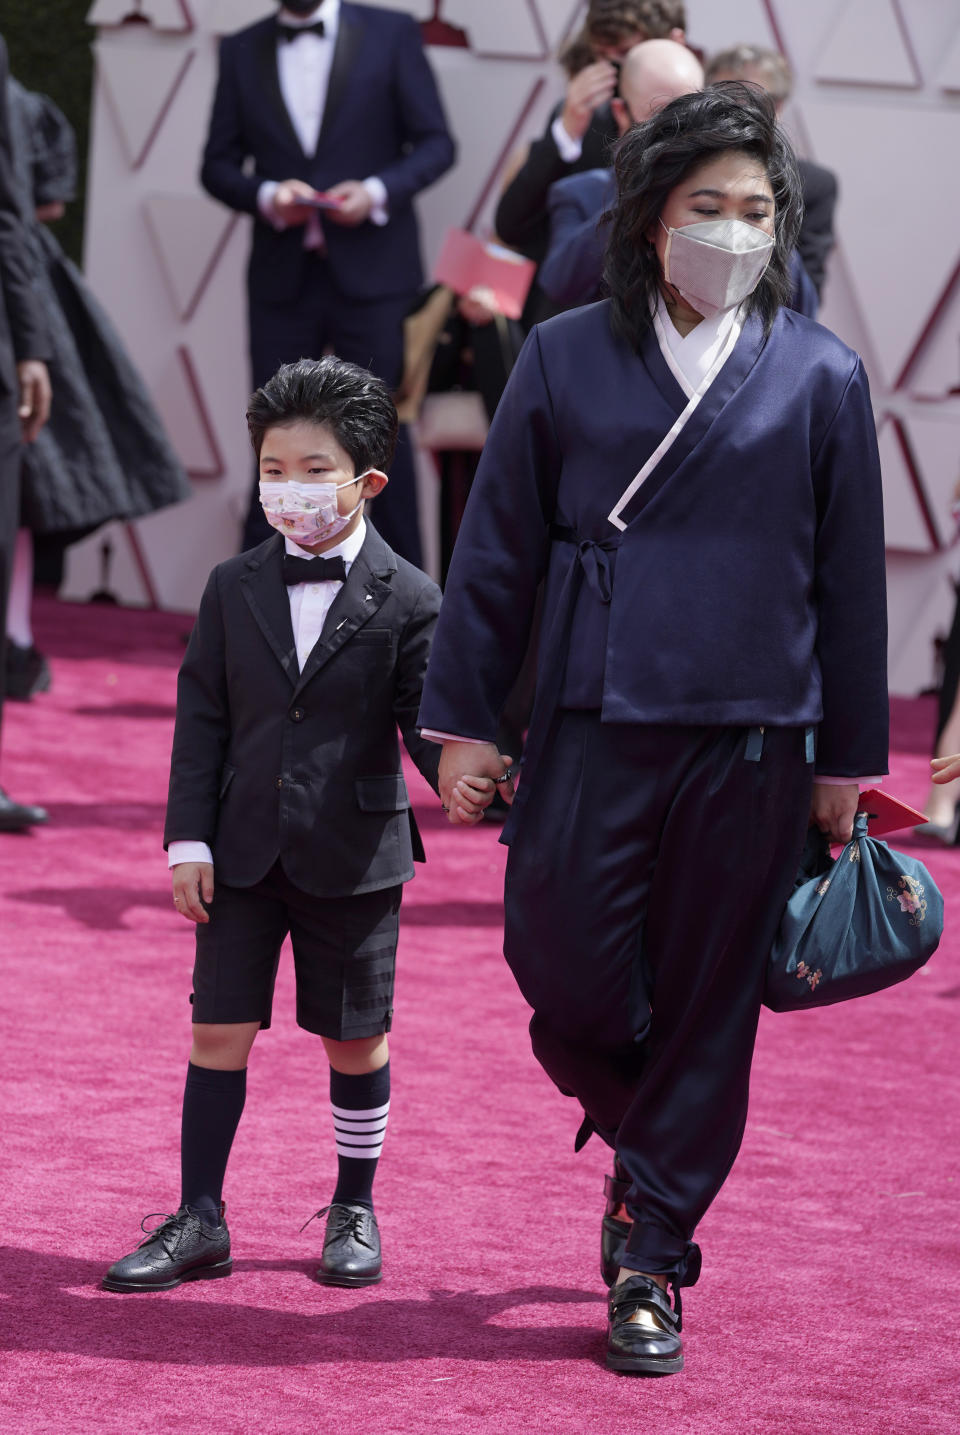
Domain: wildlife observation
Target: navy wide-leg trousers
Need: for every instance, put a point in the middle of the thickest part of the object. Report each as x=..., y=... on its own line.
x=647, y=874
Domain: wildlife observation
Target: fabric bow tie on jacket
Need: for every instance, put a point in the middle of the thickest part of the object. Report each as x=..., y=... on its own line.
x=293, y=32
x=312, y=570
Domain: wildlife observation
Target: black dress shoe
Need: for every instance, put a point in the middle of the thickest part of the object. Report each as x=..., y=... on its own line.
x=26, y=671
x=613, y=1233
x=18, y=816
x=651, y=1344
x=182, y=1249
x=351, y=1246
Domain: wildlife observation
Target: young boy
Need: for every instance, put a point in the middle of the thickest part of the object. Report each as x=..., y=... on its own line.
x=287, y=809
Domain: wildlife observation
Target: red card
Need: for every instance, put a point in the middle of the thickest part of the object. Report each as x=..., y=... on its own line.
x=466, y=263
x=887, y=814
x=320, y=200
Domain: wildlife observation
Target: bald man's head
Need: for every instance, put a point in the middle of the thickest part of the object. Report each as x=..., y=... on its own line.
x=652, y=74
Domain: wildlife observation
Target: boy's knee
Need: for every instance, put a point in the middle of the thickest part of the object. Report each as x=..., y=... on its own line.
x=222, y=1045
x=355, y=1058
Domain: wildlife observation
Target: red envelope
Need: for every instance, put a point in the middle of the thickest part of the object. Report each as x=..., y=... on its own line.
x=466, y=263
x=887, y=814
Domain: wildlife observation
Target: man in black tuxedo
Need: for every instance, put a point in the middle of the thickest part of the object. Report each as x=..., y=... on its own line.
x=583, y=128
x=335, y=99
x=24, y=395
x=769, y=70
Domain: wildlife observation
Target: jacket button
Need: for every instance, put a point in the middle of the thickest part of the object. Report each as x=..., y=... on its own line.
x=298, y=715
x=278, y=782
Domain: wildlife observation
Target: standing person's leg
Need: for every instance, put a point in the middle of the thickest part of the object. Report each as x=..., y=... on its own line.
x=14, y=816
x=345, y=953
x=370, y=334
x=233, y=979
x=281, y=334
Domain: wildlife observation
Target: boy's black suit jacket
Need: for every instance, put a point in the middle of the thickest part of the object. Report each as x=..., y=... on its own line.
x=383, y=116
x=269, y=762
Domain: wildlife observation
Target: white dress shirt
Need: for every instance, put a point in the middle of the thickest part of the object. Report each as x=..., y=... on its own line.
x=303, y=67
x=309, y=605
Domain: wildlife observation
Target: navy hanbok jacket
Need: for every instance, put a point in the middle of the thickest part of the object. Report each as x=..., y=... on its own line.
x=747, y=585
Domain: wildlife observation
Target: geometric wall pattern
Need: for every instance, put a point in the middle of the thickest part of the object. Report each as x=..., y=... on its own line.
x=877, y=98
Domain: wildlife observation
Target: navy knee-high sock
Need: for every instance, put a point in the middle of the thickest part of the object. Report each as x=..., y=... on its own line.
x=212, y=1104
x=360, y=1108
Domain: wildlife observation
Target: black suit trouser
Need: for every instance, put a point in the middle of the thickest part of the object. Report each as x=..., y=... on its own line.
x=364, y=332
x=646, y=879
x=10, y=456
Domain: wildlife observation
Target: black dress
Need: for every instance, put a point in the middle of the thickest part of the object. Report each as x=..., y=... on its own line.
x=104, y=453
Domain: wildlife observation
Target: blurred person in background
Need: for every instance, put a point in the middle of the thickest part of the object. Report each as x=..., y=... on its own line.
x=651, y=74
x=769, y=69
x=582, y=128
x=24, y=390
x=330, y=99
x=104, y=454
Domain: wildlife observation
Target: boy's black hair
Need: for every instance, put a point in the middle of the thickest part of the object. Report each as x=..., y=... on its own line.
x=355, y=405
x=653, y=158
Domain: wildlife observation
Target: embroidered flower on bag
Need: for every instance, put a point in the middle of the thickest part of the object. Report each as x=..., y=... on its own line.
x=804, y=974
x=855, y=852
x=823, y=886
x=909, y=894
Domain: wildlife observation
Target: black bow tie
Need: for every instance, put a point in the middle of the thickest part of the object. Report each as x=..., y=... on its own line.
x=313, y=570
x=293, y=32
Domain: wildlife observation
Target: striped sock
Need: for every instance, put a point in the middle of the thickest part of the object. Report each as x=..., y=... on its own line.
x=360, y=1106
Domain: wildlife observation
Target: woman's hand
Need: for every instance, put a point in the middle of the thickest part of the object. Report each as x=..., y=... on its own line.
x=945, y=769
x=833, y=808
x=463, y=768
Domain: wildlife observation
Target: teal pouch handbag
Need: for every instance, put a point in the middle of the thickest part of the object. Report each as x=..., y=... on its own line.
x=854, y=925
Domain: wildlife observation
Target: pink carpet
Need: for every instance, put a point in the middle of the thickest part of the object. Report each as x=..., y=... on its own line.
x=829, y=1296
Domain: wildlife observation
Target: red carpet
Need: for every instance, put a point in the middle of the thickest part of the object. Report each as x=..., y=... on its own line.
x=830, y=1290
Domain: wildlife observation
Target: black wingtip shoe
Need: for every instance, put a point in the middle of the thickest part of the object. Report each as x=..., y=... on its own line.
x=613, y=1233
x=644, y=1331
x=182, y=1248
x=351, y=1246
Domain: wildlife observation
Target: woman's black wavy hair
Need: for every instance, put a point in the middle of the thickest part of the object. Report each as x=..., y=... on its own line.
x=653, y=158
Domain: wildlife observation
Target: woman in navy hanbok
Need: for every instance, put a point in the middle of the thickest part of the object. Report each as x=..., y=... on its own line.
x=692, y=471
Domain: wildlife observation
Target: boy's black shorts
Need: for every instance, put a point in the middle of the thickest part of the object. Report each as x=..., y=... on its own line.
x=344, y=951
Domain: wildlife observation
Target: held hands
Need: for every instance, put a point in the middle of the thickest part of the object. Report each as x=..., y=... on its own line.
x=34, y=407
x=945, y=769
x=586, y=92
x=191, y=882
x=833, y=808
x=468, y=773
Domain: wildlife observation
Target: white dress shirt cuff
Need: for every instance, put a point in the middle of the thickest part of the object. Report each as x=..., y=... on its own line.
x=570, y=149
x=861, y=782
x=432, y=736
x=183, y=851
x=265, y=203
x=377, y=190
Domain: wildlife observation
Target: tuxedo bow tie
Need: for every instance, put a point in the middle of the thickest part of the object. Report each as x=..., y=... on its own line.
x=293, y=32
x=312, y=570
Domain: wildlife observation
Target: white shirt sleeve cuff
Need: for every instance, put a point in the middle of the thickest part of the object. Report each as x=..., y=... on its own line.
x=432, y=736
x=265, y=203
x=569, y=148
x=179, y=852
x=862, y=782
x=377, y=190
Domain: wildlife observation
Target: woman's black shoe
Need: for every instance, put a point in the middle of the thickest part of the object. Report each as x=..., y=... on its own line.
x=183, y=1248
x=351, y=1246
x=650, y=1345
x=26, y=671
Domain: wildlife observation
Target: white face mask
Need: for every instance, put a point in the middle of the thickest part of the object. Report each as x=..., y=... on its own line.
x=307, y=512
x=715, y=265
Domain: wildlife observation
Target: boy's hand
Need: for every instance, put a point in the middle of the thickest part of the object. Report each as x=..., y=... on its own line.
x=471, y=797
x=945, y=769
x=833, y=808
x=471, y=762
x=288, y=201
x=354, y=204
x=191, y=881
